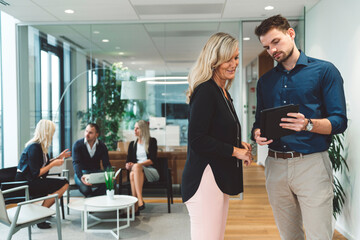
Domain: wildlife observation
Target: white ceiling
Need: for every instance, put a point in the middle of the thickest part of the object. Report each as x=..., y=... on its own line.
x=161, y=35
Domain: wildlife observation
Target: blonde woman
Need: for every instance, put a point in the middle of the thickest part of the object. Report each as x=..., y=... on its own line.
x=213, y=168
x=140, y=161
x=35, y=164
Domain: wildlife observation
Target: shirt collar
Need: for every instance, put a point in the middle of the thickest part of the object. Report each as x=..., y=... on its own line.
x=86, y=142
x=302, y=60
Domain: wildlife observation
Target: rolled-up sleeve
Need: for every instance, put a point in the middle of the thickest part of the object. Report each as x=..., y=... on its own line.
x=334, y=99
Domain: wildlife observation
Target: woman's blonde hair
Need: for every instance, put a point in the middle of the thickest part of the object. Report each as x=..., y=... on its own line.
x=219, y=49
x=144, y=133
x=43, y=134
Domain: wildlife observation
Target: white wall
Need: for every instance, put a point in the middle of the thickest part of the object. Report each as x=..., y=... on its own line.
x=10, y=114
x=333, y=33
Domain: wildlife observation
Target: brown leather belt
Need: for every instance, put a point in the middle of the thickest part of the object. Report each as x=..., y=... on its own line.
x=284, y=155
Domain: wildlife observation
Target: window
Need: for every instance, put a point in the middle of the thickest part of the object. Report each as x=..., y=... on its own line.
x=51, y=84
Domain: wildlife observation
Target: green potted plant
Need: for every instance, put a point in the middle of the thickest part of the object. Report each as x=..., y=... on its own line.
x=109, y=182
x=338, y=161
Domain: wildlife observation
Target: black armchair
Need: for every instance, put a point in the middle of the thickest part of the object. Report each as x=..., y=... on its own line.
x=164, y=182
x=7, y=181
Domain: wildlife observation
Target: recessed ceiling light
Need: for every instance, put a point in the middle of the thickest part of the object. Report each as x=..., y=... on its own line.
x=268, y=8
x=140, y=69
x=117, y=47
x=96, y=32
x=105, y=40
x=121, y=53
x=246, y=38
x=132, y=62
x=69, y=11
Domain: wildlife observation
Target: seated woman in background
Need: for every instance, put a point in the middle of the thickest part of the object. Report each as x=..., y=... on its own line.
x=140, y=159
x=35, y=164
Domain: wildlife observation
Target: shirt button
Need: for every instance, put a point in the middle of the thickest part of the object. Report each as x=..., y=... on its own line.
x=284, y=101
x=284, y=146
x=287, y=72
x=285, y=86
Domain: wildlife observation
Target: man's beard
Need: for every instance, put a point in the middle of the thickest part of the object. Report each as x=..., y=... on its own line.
x=286, y=57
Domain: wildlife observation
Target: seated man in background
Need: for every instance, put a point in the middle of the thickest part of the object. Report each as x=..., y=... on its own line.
x=87, y=154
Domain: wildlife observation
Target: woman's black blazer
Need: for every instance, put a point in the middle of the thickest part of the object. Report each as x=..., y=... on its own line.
x=212, y=134
x=31, y=162
x=151, y=154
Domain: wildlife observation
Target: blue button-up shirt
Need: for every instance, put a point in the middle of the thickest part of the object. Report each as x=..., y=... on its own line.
x=315, y=85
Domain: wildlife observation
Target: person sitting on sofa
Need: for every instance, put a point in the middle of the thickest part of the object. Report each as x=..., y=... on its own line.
x=87, y=154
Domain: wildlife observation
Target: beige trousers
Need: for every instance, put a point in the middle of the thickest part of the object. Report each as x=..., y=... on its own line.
x=301, y=193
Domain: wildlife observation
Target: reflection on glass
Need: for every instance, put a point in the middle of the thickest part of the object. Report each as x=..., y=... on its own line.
x=161, y=52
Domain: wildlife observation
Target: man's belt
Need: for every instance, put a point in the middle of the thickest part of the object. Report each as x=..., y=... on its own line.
x=284, y=155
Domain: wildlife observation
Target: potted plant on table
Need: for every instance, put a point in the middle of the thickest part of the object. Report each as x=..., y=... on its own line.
x=109, y=181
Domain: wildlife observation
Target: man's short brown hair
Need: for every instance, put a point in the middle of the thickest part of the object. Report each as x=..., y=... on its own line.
x=277, y=21
x=94, y=125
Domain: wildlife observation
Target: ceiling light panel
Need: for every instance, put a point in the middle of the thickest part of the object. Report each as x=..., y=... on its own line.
x=175, y=2
x=179, y=9
x=89, y=10
x=255, y=8
x=4, y=3
x=198, y=33
x=27, y=11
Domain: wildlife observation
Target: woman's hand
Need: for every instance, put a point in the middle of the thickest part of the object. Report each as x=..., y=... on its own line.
x=243, y=154
x=54, y=162
x=57, y=162
x=129, y=165
x=64, y=154
x=246, y=145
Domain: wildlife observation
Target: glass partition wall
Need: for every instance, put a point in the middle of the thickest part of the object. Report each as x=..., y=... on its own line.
x=114, y=74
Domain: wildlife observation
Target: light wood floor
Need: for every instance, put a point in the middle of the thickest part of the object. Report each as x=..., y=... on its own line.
x=252, y=218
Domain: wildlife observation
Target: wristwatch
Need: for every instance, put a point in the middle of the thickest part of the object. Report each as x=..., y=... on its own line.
x=309, y=126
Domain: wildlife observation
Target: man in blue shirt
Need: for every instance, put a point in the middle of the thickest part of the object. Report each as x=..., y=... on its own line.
x=298, y=169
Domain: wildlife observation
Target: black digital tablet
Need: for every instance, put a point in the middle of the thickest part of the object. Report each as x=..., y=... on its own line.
x=270, y=119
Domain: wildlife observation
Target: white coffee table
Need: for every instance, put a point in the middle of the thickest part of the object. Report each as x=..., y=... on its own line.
x=103, y=204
